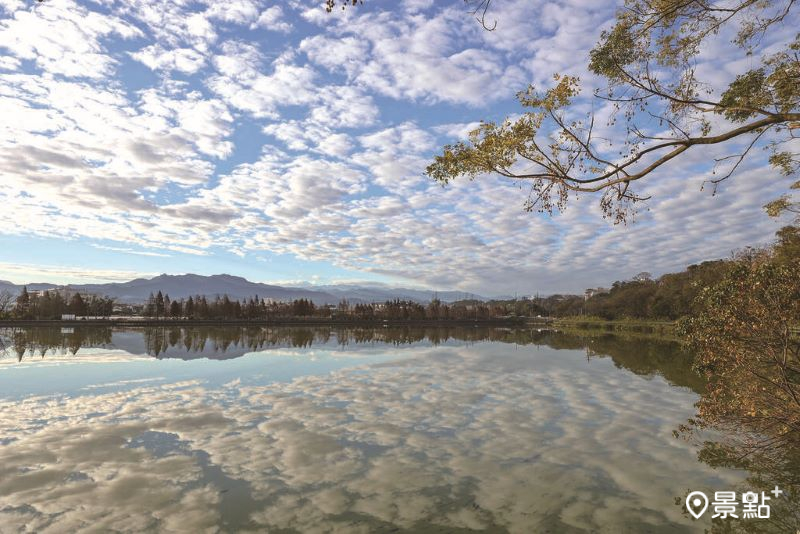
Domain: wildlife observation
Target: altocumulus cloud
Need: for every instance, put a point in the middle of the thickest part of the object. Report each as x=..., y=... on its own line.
x=249, y=127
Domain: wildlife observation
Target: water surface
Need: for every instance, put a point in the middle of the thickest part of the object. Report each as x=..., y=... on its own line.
x=345, y=430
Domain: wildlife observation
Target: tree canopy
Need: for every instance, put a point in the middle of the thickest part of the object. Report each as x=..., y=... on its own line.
x=746, y=346
x=330, y=4
x=661, y=108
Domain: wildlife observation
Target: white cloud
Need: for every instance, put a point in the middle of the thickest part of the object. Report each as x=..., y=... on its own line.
x=344, y=107
x=234, y=11
x=339, y=54
x=243, y=85
x=9, y=63
x=131, y=251
x=272, y=19
x=254, y=131
x=21, y=273
x=64, y=38
x=185, y=60
x=87, y=165
x=173, y=24
x=417, y=58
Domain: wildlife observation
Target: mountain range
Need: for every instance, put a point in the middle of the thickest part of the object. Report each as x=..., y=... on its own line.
x=236, y=287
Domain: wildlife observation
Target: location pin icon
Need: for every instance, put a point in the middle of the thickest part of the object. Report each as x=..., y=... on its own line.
x=697, y=503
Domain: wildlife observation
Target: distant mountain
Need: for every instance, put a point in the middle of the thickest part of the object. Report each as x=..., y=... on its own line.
x=380, y=293
x=5, y=285
x=236, y=287
x=186, y=285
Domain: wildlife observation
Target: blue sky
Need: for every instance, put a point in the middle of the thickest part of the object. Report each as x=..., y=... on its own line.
x=287, y=145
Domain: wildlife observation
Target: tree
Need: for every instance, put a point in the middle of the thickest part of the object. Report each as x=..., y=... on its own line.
x=787, y=247
x=330, y=4
x=303, y=307
x=647, y=60
x=150, y=306
x=176, y=309
x=784, y=204
x=77, y=305
x=744, y=343
x=434, y=308
x=159, y=305
x=108, y=306
x=6, y=299
x=23, y=302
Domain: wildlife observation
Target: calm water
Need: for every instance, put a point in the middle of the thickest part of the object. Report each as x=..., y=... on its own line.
x=230, y=429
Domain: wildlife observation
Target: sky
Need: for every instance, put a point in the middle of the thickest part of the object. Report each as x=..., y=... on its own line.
x=287, y=145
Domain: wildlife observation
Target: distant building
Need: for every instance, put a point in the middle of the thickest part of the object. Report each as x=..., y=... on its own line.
x=589, y=293
x=67, y=316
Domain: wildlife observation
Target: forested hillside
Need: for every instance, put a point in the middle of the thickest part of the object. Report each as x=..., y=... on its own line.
x=669, y=297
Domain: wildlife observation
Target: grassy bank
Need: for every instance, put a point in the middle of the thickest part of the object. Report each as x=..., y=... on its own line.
x=643, y=327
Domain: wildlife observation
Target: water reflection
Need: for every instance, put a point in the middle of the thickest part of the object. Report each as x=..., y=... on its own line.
x=643, y=356
x=226, y=342
x=529, y=432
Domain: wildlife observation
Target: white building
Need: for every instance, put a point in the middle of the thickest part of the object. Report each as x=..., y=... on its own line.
x=589, y=293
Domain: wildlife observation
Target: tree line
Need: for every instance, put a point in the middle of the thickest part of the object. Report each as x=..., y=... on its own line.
x=48, y=305
x=745, y=335
x=200, y=307
x=669, y=297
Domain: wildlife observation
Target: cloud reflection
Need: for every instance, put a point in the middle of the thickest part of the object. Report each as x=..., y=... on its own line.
x=456, y=437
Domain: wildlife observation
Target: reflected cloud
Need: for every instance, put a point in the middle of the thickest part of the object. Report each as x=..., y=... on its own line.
x=467, y=437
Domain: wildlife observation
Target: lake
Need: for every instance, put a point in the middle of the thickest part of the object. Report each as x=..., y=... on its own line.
x=346, y=430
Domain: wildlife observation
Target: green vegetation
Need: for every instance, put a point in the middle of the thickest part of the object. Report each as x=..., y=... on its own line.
x=629, y=328
x=746, y=345
x=669, y=297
